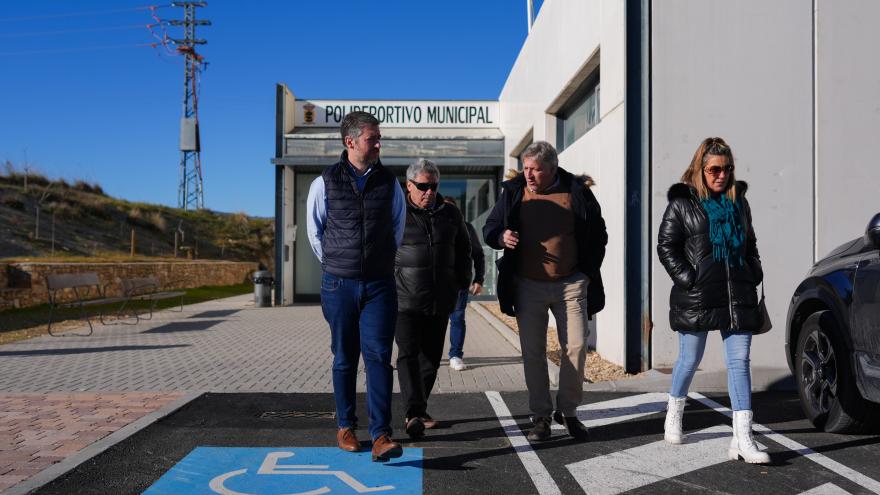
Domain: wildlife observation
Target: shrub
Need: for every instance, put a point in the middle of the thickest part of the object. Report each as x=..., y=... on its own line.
x=94, y=188
x=14, y=203
x=151, y=220
x=158, y=221
x=97, y=207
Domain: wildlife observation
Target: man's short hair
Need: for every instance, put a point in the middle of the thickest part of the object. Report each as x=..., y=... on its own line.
x=422, y=166
x=354, y=122
x=542, y=152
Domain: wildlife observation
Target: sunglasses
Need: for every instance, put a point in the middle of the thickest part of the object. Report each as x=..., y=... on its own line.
x=424, y=186
x=716, y=170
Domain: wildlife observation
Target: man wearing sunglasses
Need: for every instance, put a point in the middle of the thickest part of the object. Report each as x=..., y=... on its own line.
x=551, y=229
x=433, y=265
x=355, y=216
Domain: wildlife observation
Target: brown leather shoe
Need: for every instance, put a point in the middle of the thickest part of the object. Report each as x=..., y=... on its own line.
x=347, y=440
x=384, y=448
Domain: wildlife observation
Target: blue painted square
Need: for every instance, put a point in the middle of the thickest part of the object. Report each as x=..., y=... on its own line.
x=289, y=471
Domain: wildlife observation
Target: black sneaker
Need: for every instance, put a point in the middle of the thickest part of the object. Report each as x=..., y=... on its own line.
x=575, y=428
x=541, y=430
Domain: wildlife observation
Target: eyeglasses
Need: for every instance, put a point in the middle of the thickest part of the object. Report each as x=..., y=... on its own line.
x=716, y=170
x=424, y=186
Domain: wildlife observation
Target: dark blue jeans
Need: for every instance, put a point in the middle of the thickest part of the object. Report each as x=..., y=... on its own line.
x=361, y=316
x=457, y=327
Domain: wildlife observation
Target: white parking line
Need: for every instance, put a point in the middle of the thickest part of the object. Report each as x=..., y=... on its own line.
x=619, y=410
x=829, y=464
x=629, y=469
x=826, y=489
x=534, y=467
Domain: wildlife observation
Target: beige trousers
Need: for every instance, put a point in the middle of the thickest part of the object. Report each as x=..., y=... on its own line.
x=567, y=299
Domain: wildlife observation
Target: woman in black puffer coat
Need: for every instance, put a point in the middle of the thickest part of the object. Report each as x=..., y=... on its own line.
x=708, y=246
x=433, y=264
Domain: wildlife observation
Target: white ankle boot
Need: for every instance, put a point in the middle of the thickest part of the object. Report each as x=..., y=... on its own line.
x=742, y=444
x=674, y=413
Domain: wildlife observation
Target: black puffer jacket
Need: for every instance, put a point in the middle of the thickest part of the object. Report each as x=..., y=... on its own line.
x=707, y=294
x=433, y=261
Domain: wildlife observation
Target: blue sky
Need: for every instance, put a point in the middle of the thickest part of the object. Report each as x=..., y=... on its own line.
x=111, y=115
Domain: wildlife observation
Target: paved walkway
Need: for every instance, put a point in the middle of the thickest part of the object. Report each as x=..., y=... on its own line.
x=39, y=430
x=59, y=394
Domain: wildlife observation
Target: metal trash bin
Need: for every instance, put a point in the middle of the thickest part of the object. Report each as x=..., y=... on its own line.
x=263, y=282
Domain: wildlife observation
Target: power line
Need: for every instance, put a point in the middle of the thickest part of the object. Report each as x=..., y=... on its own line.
x=71, y=50
x=79, y=14
x=70, y=31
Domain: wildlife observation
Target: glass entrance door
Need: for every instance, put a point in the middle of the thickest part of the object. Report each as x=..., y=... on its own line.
x=475, y=197
x=306, y=268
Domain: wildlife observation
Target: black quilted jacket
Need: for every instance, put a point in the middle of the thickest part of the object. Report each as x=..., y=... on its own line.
x=707, y=294
x=433, y=261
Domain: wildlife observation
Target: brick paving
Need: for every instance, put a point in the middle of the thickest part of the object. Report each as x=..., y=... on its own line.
x=38, y=430
x=225, y=346
x=60, y=394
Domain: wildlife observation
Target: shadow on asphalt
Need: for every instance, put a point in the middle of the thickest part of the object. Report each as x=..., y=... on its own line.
x=471, y=453
x=483, y=362
x=184, y=326
x=88, y=350
x=216, y=313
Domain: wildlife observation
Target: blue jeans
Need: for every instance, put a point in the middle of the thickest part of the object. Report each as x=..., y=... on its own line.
x=457, y=327
x=736, y=353
x=361, y=316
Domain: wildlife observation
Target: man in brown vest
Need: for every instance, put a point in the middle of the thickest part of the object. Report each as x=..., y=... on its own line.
x=551, y=229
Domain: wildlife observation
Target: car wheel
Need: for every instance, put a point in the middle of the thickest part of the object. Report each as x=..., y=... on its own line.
x=826, y=385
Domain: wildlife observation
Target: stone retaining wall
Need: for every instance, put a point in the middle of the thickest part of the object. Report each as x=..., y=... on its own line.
x=24, y=284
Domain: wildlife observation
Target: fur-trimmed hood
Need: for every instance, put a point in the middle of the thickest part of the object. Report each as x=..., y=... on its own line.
x=682, y=190
x=520, y=180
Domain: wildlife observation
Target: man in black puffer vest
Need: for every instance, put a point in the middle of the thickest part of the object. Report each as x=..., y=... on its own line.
x=433, y=265
x=355, y=218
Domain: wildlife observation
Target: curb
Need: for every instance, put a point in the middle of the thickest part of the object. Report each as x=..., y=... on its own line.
x=512, y=337
x=55, y=471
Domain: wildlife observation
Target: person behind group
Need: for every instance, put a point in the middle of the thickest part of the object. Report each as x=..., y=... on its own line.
x=551, y=229
x=433, y=264
x=708, y=246
x=457, y=325
x=355, y=215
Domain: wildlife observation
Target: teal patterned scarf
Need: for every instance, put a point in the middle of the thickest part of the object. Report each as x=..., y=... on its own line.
x=725, y=229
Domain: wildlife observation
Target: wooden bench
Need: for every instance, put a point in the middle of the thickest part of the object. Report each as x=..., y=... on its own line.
x=87, y=291
x=145, y=289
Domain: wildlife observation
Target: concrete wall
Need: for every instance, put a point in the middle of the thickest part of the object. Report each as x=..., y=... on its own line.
x=24, y=284
x=743, y=71
x=847, y=120
x=563, y=39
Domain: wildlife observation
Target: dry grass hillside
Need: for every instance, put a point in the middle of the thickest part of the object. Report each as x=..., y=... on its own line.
x=54, y=219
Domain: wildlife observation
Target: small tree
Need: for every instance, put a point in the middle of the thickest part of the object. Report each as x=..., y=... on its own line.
x=47, y=191
x=26, y=166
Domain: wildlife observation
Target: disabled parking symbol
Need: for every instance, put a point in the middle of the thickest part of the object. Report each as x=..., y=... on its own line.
x=289, y=471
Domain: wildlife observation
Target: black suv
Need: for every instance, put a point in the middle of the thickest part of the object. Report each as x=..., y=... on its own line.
x=832, y=339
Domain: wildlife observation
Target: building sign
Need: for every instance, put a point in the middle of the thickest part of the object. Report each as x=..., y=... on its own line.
x=460, y=114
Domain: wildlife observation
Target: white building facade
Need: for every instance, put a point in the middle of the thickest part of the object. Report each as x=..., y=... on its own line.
x=627, y=89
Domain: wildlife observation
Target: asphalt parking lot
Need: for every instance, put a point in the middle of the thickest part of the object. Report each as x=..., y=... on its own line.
x=270, y=444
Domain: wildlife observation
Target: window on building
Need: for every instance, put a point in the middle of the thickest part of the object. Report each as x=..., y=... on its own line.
x=518, y=150
x=579, y=114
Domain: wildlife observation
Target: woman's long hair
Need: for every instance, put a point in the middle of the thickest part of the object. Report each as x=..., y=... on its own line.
x=693, y=176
